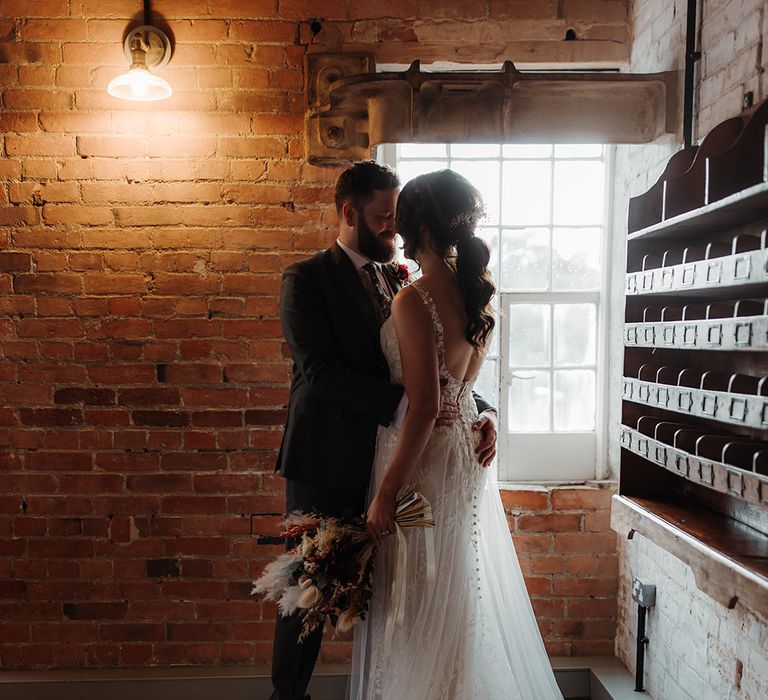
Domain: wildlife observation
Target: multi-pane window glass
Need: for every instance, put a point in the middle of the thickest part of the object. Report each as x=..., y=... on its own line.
x=552, y=356
x=544, y=227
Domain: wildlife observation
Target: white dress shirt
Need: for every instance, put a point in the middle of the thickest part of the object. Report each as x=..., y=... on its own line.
x=359, y=261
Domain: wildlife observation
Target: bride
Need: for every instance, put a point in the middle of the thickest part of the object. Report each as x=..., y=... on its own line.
x=468, y=632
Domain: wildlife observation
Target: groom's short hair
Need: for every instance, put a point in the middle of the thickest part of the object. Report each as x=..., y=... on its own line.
x=358, y=182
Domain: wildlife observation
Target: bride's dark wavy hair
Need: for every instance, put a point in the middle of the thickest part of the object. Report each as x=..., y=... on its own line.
x=450, y=207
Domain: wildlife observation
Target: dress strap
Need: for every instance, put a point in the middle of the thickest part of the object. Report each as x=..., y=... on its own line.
x=437, y=324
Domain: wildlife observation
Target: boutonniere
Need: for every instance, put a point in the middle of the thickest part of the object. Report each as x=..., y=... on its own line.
x=402, y=273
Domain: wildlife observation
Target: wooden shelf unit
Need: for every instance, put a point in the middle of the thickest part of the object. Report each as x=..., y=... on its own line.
x=739, y=208
x=729, y=561
x=735, y=273
x=694, y=433
x=735, y=334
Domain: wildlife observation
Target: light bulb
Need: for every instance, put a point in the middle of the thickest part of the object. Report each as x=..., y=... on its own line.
x=139, y=85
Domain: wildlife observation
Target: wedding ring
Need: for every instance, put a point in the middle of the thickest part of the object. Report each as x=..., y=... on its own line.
x=384, y=533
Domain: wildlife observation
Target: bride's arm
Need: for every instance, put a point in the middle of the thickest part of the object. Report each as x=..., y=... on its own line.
x=421, y=378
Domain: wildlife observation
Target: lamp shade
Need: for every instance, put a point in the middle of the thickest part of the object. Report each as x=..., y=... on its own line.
x=148, y=49
x=139, y=85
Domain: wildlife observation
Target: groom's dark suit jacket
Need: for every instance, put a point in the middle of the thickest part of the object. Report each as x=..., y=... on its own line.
x=340, y=389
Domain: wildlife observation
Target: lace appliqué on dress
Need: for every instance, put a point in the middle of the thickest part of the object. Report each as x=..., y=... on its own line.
x=473, y=634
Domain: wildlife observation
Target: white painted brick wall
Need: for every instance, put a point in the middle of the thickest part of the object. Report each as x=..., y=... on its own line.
x=695, y=642
x=734, y=59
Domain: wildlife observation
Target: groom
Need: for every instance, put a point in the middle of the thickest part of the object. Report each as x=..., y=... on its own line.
x=332, y=306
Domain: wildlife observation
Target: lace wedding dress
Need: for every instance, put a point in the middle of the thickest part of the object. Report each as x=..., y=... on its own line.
x=471, y=634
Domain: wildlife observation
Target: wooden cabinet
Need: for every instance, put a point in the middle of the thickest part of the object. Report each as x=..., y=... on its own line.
x=694, y=433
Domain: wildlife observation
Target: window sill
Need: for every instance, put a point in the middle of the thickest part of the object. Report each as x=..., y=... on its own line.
x=729, y=560
x=544, y=485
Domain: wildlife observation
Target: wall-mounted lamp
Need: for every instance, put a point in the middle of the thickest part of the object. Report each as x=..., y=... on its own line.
x=148, y=49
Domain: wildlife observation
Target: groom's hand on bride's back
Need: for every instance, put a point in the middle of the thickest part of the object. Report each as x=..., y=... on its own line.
x=485, y=425
x=449, y=412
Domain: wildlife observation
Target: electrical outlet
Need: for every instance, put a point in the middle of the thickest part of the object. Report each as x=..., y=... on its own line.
x=643, y=592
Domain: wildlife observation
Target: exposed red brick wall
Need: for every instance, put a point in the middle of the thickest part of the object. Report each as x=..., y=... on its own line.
x=567, y=552
x=143, y=376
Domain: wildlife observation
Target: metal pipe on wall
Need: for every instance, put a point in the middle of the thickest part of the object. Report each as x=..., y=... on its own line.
x=692, y=56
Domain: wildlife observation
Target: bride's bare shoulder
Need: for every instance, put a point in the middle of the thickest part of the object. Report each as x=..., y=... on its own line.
x=406, y=298
x=408, y=303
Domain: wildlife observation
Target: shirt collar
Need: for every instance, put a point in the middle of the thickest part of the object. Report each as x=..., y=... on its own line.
x=357, y=260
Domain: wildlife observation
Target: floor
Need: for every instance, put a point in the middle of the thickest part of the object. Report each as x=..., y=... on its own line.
x=582, y=678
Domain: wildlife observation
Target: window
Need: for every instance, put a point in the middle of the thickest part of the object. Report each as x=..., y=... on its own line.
x=545, y=226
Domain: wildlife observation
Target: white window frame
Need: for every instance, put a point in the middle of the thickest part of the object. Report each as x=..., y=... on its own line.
x=545, y=457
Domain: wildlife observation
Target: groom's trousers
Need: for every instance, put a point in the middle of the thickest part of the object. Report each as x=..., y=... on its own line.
x=294, y=661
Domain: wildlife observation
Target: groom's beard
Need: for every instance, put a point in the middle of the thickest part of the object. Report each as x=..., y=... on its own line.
x=372, y=245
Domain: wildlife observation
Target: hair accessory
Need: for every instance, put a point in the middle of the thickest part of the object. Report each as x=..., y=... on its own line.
x=462, y=218
x=467, y=218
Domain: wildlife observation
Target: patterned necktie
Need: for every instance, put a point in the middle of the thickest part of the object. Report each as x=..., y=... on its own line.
x=382, y=298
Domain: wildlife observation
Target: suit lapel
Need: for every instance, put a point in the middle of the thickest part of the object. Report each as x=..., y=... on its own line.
x=344, y=272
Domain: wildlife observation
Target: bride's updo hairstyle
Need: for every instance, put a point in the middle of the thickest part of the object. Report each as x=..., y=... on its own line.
x=450, y=207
